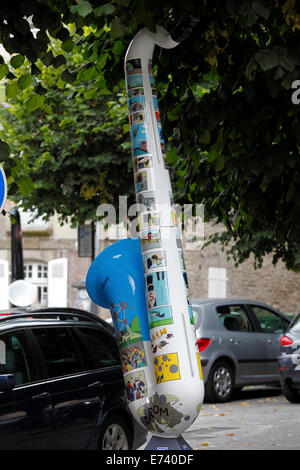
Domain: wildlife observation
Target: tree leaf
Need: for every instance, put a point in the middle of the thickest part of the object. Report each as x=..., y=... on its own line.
x=267, y=59
x=3, y=70
x=106, y=9
x=117, y=29
x=4, y=150
x=35, y=102
x=83, y=8
x=17, y=60
x=260, y=9
x=11, y=90
x=24, y=81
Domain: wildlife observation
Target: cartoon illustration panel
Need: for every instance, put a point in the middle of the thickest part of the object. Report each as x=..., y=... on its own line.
x=160, y=316
x=137, y=118
x=126, y=324
x=136, y=103
x=150, y=239
x=141, y=181
x=133, y=357
x=161, y=337
x=157, y=292
x=139, y=133
x=166, y=367
x=154, y=259
x=133, y=67
x=136, y=386
x=147, y=200
x=134, y=81
x=144, y=161
x=149, y=219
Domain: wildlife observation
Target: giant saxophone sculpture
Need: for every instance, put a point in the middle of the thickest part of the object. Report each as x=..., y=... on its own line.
x=143, y=281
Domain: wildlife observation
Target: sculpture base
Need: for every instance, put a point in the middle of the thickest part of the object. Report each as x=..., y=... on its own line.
x=167, y=443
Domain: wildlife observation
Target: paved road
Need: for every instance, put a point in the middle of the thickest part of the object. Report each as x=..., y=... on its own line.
x=257, y=419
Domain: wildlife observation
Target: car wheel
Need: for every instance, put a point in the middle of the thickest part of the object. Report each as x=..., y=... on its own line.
x=219, y=386
x=114, y=434
x=290, y=394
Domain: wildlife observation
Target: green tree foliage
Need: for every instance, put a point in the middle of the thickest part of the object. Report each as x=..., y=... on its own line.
x=225, y=98
x=72, y=153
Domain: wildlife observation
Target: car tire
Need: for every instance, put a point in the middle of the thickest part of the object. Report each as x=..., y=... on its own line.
x=114, y=434
x=219, y=386
x=290, y=394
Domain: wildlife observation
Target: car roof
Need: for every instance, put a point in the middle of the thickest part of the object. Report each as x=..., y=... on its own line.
x=231, y=300
x=50, y=315
x=227, y=300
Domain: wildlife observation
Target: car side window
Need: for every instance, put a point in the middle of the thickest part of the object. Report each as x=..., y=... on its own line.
x=269, y=322
x=16, y=358
x=60, y=353
x=234, y=318
x=103, y=350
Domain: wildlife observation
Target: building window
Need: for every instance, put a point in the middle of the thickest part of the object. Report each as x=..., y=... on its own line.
x=37, y=274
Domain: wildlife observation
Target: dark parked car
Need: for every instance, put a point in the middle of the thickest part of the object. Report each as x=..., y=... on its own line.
x=289, y=361
x=238, y=341
x=61, y=383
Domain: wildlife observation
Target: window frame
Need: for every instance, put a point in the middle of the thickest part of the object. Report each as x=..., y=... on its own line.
x=37, y=372
x=257, y=322
x=249, y=315
x=45, y=375
x=85, y=344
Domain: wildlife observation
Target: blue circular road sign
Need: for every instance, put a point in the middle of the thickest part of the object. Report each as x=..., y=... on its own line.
x=3, y=188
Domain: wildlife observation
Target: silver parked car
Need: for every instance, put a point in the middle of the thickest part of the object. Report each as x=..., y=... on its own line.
x=239, y=344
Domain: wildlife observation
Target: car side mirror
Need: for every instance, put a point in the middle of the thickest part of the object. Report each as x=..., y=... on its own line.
x=7, y=382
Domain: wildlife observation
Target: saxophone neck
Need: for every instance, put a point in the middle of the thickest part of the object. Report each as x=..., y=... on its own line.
x=145, y=40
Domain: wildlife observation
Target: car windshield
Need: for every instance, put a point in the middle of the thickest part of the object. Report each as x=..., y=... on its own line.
x=295, y=327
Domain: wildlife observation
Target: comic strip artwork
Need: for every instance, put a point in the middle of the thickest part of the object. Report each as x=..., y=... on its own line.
x=149, y=219
x=154, y=259
x=160, y=338
x=166, y=367
x=134, y=81
x=141, y=181
x=148, y=200
x=135, y=92
x=150, y=239
x=144, y=161
x=160, y=316
x=161, y=410
x=132, y=357
x=135, y=384
x=126, y=324
x=136, y=104
x=133, y=67
x=157, y=289
x=137, y=118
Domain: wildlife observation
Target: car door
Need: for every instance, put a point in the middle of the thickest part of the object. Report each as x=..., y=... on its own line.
x=75, y=395
x=271, y=327
x=25, y=411
x=241, y=340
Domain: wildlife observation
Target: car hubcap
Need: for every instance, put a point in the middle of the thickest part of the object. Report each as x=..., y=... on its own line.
x=222, y=382
x=115, y=438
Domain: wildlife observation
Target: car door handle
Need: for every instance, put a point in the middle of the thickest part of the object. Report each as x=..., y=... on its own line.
x=40, y=396
x=234, y=340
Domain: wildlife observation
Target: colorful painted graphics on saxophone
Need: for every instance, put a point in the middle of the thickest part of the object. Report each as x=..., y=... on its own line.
x=169, y=405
